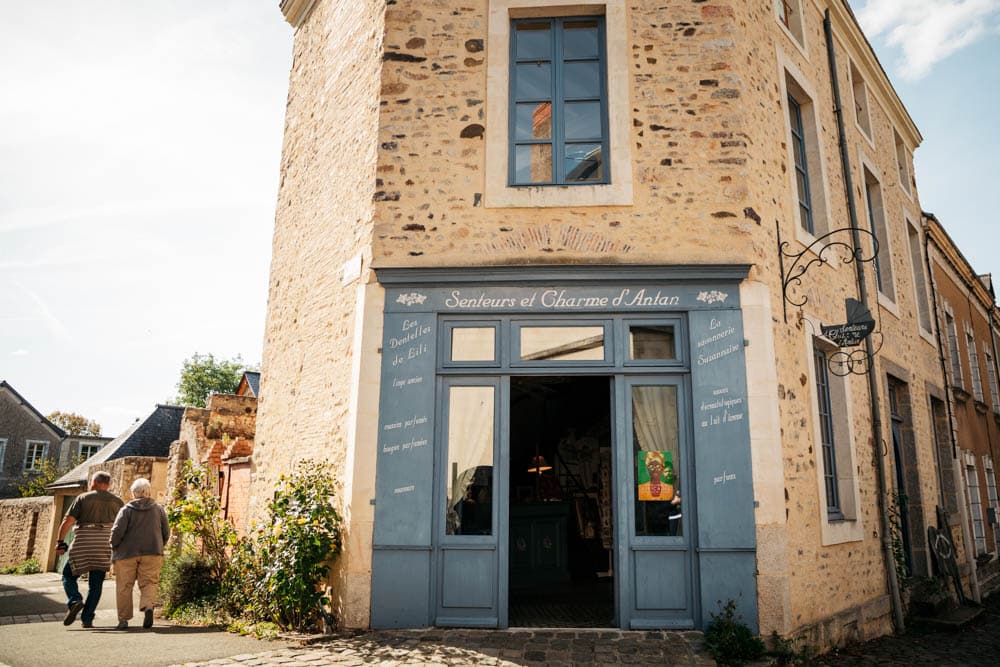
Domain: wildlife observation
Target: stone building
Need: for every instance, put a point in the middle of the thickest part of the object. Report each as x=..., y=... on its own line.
x=968, y=327
x=529, y=296
x=27, y=439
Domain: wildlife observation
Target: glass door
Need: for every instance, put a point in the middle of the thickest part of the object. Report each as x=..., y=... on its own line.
x=468, y=562
x=654, y=457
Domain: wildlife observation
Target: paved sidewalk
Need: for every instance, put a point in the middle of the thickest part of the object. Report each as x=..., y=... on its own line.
x=506, y=648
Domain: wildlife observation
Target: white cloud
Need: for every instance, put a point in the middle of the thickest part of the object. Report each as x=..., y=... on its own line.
x=928, y=31
x=19, y=353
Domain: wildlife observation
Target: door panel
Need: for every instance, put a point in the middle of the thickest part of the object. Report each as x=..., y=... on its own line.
x=657, y=501
x=469, y=495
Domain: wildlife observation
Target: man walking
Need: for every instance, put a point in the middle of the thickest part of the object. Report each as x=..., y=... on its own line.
x=93, y=513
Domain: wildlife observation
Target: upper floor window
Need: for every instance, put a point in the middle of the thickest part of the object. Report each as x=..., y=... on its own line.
x=919, y=277
x=88, y=449
x=862, y=113
x=801, y=164
x=902, y=163
x=977, y=382
x=957, y=379
x=789, y=13
x=3, y=452
x=558, y=112
x=35, y=452
x=991, y=376
x=876, y=218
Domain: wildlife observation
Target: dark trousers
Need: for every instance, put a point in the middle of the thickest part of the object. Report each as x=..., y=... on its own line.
x=95, y=581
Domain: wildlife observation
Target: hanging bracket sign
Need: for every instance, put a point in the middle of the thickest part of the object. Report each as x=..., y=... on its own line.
x=859, y=324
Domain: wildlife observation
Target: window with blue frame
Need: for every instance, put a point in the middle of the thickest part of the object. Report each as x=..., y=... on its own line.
x=559, y=102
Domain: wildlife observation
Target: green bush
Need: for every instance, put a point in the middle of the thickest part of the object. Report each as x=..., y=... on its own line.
x=277, y=573
x=729, y=640
x=187, y=578
x=29, y=566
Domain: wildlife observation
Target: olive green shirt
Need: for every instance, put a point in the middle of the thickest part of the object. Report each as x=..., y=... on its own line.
x=95, y=507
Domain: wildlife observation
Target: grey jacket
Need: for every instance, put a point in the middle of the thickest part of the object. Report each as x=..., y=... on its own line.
x=140, y=529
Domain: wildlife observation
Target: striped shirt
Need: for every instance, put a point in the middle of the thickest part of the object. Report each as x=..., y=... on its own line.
x=91, y=548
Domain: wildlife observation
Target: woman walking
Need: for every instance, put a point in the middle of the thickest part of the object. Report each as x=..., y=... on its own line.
x=137, y=540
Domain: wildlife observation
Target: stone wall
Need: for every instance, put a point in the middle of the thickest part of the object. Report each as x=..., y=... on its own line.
x=126, y=470
x=25, y=524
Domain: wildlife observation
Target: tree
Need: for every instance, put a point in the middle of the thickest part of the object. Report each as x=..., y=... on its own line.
x=74, y=424
x=204, y=374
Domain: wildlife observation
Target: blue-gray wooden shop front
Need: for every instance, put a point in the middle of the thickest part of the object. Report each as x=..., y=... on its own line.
x=422, y=573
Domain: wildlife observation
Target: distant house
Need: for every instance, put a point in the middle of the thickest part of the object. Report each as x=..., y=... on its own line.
x=249, y=384
x=28, y=439
x=141, y=451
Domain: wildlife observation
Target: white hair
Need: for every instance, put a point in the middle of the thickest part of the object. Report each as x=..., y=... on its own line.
x=140, y=488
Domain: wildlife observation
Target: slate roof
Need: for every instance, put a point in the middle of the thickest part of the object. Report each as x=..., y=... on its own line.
x=253, y=379
x=147, y=437
x=41, y=418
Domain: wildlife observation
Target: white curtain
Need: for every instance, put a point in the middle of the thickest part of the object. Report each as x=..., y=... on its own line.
x=654, y=415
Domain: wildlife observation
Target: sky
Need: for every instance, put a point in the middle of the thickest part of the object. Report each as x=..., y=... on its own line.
x=139, y=161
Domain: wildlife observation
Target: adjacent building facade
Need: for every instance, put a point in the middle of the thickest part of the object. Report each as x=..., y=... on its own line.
x=548, y=288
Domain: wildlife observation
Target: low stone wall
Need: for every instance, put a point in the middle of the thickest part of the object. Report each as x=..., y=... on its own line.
x=860, y=623
x=25, y=526
x=126, y=470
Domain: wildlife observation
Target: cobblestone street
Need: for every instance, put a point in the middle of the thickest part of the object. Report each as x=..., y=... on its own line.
x=489, y=647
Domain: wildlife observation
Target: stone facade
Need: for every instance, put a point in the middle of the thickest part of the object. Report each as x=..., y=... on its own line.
x=20, y=424
x=395, y=101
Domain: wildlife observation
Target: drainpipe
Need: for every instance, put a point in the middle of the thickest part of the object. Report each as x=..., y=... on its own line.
x=890, y=563
x=957, y=472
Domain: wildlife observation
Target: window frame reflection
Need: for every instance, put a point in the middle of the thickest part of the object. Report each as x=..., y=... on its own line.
x=445, y=345
x=594, y=168
x=679, y=326
x=515, y=340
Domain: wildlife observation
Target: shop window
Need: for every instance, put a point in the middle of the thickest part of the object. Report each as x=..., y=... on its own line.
x=975, y=503
x=789, y=14
x=471, y=412
x=862, y=113
x=651, y=342
x=806, y=159
x=974, y=373
x=562, y=343
x=957, y=378
x=35, y=452
x=919, y=278
x=473, y=344
x=562, y=87
x=558, y=116
x=902, y=163
x=656, y=445
x=876, y=220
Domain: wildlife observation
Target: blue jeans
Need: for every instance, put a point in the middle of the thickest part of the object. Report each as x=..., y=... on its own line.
x=95, y=583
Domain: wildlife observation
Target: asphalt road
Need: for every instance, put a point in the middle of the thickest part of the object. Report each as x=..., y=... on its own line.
x=28, y=642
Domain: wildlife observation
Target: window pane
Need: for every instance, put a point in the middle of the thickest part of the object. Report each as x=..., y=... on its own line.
x=473, y=344
x=562, y=343
x=582, y=79
x=533, y=121
x=657, y=459
x=534, y=40
x=534, y=81
x=583, y=120
x=651, y=342
x=533, y=164
x=584, y=162
x=580, y=40
x=470, y=461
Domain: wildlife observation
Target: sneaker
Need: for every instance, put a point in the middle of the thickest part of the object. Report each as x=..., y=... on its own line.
x=122, y=625
x=71, y=613
x=147, y=619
